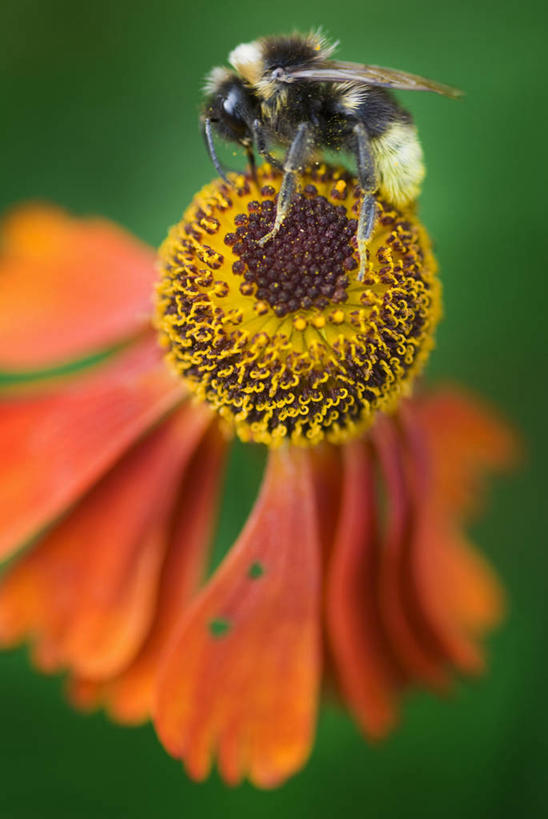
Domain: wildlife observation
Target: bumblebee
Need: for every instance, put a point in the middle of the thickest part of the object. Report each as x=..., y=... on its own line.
x=286, y=91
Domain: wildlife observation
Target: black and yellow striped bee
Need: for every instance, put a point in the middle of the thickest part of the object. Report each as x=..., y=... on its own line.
x=287, y=91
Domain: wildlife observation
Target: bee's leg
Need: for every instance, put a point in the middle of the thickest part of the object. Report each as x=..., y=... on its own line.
x=210, y=144
x=252, y=165
x=368, y=182
x=260, y=142
x=294, y=161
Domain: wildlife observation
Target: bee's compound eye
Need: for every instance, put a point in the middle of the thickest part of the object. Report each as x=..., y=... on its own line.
x=229, y=104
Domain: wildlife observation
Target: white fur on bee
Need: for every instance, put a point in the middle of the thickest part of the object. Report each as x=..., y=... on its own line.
x=351, y=95
x=216, y=77
x=398, y=158
x=247, y=60
x=319, y=42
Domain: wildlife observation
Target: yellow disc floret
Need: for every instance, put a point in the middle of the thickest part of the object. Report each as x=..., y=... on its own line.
x=282, y=339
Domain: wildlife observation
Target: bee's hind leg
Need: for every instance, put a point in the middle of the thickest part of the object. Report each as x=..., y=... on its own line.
x=368, y=182
x=294, y=161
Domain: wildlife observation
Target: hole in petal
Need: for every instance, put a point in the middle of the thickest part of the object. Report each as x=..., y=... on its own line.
x=255, y=571
x=219, y=627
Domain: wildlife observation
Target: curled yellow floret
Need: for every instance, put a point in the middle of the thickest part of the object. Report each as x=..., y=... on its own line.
x=282, y=339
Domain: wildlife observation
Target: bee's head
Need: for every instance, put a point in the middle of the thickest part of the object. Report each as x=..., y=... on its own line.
x=264, y=64
x=229, y=105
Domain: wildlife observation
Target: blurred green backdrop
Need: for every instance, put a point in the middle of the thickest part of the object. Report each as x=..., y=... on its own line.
x=99, y=114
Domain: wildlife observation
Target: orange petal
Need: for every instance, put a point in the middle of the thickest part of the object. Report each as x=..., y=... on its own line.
x=117, y=597
x=473, y=593
x=432, y=557
x=87, y=591
x=98, y=639
x=68, y=287
x=467, y=439
x=83, y=694
x=242, y=677
x=54, y=446
x=129, y=697
x=430, y=573
x=410, y=633
x=327, y=471
x=367, y=675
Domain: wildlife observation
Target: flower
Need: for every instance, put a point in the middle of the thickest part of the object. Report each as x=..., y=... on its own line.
x=282, y=341
x=353, y=567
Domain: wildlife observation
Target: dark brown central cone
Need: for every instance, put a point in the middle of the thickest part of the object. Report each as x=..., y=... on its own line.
x=305, y=265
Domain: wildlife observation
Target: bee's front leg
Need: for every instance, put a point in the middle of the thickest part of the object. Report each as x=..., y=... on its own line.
x=207, y=134
x=294, y=161
x=367, y=178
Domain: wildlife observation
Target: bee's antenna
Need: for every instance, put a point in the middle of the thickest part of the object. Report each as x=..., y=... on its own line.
x=207, y=133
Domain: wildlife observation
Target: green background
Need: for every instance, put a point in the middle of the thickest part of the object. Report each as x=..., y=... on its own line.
x=98, y=113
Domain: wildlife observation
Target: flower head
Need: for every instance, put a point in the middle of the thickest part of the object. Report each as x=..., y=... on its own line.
x=284, y=341
x=353, y=566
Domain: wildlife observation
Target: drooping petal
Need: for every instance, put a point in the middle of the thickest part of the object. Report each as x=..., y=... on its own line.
x=68, y=287
x=87, y=592
x=438, y=597
x=327, y=472
x=55, y=445
x=473, y=593
x=106, y=632
x=409, y=631
x=129, y=696
x=429, y=574
x=467, y=439
x=437, y=562
x=368, y=677
x=128, y=520
x=242, y=677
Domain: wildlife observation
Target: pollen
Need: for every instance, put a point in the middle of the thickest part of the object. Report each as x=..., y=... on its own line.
x=282, y=340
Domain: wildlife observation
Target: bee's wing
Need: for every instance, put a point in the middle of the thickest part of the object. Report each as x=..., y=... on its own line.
x=338, y=71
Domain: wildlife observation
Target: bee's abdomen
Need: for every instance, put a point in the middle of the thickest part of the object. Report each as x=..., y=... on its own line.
x=398, y=159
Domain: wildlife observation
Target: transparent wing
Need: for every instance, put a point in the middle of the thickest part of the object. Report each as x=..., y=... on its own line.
x=339, y=71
